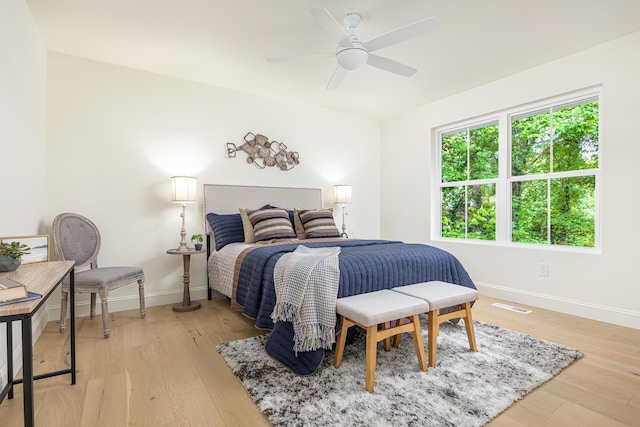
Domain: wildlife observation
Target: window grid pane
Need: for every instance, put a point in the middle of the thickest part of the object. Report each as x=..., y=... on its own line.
x=481, y=216
x=529, y=211
x=483, y=152
x=454, y=157
x=575, y=137
x=530, y=144
x=453, y=212
x=573, y=211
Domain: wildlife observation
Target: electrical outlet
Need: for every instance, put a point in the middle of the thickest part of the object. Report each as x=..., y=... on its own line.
x=543, y=269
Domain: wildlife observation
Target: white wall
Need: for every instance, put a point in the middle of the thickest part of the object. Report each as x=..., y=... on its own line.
x=22, y=138
x=603, y=287
x=116, y=135
x=22, y=121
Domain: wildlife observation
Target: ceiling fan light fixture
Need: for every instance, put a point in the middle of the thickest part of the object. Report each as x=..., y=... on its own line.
x=352, y=54
x=352, y=58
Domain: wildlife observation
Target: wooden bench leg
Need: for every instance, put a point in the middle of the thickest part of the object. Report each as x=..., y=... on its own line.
x=468, y=323
x=396, y=338
x=417, y=342
x=387, y=341
x=434, y=329
x=342, y=339
x=372, y=344
x=376, y=333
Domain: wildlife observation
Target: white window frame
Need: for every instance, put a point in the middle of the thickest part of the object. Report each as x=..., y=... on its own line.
x=504, y=180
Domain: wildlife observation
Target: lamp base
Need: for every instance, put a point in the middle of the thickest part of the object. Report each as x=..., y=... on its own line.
x=344, y=226
x=182, y=247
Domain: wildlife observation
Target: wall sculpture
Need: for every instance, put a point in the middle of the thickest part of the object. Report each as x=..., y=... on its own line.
x=262, y=152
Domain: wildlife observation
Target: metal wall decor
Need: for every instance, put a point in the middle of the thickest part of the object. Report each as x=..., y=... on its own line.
x=262, y=152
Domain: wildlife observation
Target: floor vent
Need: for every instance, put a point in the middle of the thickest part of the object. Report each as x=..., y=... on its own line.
x=512, y=308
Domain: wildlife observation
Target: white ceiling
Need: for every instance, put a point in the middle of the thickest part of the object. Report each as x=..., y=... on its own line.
x=226, y=42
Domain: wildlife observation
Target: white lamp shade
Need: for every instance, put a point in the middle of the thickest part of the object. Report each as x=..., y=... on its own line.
x=183, y=189
x=342, y=194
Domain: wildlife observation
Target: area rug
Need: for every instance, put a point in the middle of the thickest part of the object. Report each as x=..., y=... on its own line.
x=466, y=389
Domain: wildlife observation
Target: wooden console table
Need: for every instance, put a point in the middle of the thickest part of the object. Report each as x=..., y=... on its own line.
x=186, y=304
x=42, y=279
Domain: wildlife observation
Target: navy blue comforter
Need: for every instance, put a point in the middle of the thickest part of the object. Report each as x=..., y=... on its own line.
x=365, y=266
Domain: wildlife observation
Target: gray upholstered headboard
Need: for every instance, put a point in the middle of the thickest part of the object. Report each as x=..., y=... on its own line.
x=226, y=199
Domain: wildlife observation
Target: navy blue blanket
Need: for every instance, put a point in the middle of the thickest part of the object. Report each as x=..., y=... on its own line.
x=365, y=266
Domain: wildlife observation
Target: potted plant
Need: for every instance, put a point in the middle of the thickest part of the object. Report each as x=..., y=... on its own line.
x=11, y=255
x=197, y=240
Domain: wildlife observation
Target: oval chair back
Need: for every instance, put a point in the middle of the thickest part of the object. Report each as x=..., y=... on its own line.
x=76, y=238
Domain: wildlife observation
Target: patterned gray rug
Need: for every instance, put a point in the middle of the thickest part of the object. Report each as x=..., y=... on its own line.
x=465, y=389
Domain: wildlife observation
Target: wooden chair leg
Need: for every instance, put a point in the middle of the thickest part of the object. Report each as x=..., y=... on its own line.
x=342, y=339
x=468, y=323
x=143, y=312
x=64, y=297
x=105, y=312
x=417, y=342
x=92, y=307
x=372, y=344
x=434, y=329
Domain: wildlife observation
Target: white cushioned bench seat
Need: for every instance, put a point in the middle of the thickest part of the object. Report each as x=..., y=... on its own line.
x=380, y=308
x=374, y=308
x=441, y=295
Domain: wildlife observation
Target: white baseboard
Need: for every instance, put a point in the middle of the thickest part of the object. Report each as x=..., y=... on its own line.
x=628, y=318
x=130, y=302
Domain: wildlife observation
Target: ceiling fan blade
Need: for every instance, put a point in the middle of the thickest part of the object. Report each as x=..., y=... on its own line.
x=390, y=65
x=301, y=57
x=331, y=26
x=401, y=34
x=336, y=78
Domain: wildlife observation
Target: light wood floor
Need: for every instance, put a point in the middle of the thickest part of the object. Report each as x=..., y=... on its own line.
x=165, y=371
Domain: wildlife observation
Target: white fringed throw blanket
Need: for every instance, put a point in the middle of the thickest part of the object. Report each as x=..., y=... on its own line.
x=306, y=284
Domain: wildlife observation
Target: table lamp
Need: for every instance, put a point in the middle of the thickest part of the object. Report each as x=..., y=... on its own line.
x=183, y=191
x=342, y=197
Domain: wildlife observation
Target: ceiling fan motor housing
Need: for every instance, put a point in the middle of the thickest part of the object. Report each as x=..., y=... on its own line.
x=352, y=57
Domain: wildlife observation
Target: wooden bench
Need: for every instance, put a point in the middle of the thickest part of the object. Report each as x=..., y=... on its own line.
x=372, y=309
x=441, y=295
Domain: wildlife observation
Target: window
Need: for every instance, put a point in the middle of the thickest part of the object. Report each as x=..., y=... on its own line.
x=525, y=177
x=469, y=176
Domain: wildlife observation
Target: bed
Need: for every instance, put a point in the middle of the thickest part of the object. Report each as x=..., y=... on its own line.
x=243, y=272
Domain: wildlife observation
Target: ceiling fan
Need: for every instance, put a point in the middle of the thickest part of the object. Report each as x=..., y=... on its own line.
x=352, y=53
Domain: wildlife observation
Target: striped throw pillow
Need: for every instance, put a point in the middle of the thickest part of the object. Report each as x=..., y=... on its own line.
x=249, y=236
x=318, y=223
x=271, y=224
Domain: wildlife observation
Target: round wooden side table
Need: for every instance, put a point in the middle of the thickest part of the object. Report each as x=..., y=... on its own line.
x=186, y=304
